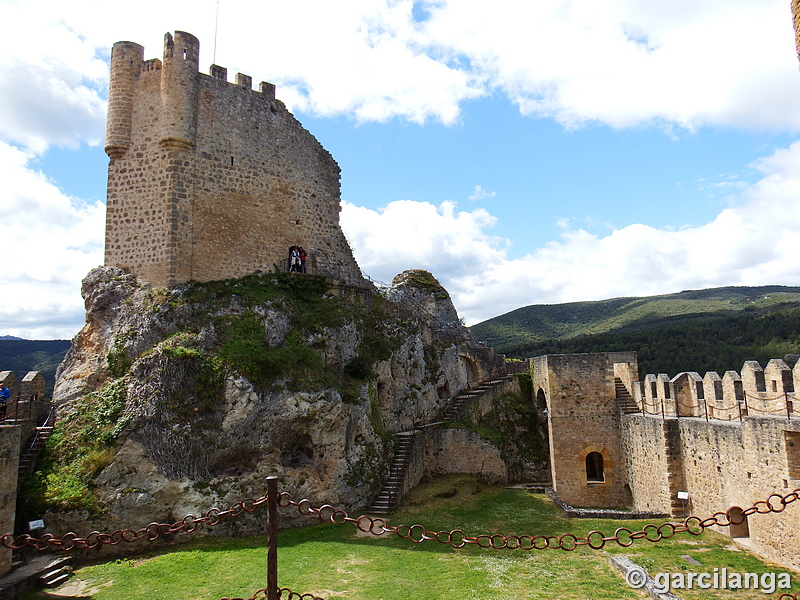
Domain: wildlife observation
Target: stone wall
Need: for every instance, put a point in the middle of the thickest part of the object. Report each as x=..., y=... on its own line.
x=648, y=480
x=9, y=467
x=737, y=464
x=454, y=450
x=210, y=179
x=582, y=420
x=691, y=448
x=756, y=391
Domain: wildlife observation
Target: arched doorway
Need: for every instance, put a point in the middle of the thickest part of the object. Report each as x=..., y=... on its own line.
x=473, y=374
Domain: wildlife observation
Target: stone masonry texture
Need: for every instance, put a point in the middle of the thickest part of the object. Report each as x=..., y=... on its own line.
x=743, y=452
x=210, y=179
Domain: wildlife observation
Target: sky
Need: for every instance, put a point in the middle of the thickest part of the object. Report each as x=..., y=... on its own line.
x=524, y=152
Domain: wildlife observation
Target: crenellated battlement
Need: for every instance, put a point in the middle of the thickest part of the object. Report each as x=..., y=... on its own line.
x=211, y=179
x=755, y=391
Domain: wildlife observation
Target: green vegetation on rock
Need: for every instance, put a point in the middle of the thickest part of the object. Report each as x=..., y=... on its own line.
x=81, y=445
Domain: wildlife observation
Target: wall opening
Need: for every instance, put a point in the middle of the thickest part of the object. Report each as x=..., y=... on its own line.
x=541, y=401
x=761, y=384
x=472, y=369
x=791, y=440
x=738, y=389
x=739, y=527
x=595, y=468
x=788, y=381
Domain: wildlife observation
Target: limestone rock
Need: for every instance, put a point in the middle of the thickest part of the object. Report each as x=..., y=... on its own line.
x=197, y=393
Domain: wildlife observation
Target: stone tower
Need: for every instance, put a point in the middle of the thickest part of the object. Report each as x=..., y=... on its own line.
x=209, y=179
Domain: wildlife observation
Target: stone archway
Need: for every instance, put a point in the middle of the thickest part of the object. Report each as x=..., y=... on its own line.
x=471, y=367
x=541, y=401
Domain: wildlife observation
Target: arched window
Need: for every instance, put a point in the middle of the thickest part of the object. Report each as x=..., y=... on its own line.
x=594, y=468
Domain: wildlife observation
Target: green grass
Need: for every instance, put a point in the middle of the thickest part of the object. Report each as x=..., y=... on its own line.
x=333, y=561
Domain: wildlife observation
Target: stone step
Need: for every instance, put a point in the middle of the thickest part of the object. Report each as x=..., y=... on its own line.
x=56, y=581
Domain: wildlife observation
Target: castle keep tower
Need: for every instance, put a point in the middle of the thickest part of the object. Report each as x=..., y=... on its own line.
x=209, y=179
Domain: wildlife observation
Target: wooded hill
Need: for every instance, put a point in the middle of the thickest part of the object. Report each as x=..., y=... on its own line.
x=702, y=330
x=22, y=356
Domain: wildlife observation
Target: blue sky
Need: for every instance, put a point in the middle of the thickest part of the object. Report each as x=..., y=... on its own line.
x=543, y=151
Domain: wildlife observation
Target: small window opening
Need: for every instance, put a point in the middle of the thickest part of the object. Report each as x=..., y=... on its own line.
x=774, y=386
x=739, y=528
x=594, y=468
x=184, y=55
x=231, y=161
x=653, y=390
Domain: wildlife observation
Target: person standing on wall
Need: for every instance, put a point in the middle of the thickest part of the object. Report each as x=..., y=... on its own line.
x=5, y=395
x=302, y=254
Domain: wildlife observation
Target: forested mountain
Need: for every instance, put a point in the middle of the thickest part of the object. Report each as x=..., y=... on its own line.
x=704, y=330
x=22, y=356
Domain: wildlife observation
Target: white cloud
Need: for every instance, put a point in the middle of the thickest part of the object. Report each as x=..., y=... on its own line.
x=624, y=62
x=50, y=242
x=619, y=62
x=478, y=193
x=753, y=242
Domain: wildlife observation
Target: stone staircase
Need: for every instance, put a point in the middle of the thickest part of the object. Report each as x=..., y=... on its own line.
x=455, y=407
x=57, y=572
x=391, y=493
x=392, y=490
x=675, y=480
x=625, y=402
x=27, y=460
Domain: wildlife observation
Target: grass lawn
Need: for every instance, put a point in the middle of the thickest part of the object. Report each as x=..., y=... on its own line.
x=335, y=561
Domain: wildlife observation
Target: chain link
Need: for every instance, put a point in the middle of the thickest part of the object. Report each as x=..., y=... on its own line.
x=151, y=532
x=596, y=540
x=289, y=595
x=456, y=538
x=417, y=534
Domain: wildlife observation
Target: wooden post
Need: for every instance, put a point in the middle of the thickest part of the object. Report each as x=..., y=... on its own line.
x=272, y=538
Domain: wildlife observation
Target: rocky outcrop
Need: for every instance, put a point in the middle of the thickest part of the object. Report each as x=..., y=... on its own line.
x=175, y=400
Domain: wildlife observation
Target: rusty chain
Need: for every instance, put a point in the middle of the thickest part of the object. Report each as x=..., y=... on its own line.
x=151, y=532
x=596, y=540
x=456, y=538
x=775, y=503
x=262, y=595
x=789, y=596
